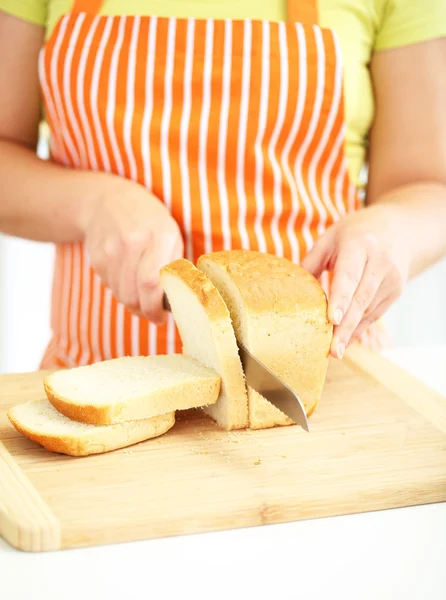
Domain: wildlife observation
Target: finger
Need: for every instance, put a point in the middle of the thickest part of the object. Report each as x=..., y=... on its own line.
x=392, y=287
x=149, y=287
x=98, y=259
x=133, y=247
x=348, y=272
x=317, y=259
x=379, y=310
x=111, y=253
x=177, y=248
x=368, y=289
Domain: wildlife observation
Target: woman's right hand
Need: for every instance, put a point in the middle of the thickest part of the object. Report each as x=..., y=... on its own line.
x=130, y=235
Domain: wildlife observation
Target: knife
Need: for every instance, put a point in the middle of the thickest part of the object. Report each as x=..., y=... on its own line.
x=264, y=382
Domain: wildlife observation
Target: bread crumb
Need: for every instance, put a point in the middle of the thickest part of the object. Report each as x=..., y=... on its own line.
x=258, y=462
x=282, y=455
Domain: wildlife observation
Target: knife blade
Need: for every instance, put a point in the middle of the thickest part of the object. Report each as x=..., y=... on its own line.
x=263, y=381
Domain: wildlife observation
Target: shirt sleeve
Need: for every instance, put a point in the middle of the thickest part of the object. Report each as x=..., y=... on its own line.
x=34, y=11
x=404, y=22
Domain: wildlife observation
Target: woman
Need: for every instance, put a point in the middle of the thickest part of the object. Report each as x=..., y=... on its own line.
x=179, y=128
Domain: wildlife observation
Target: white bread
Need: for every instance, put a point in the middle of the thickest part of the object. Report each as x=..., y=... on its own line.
x=40, y=422
x=204, y=323
x=279, y=313
x=129, y=388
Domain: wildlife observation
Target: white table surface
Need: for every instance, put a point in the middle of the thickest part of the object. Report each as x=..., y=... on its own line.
x=386, y=555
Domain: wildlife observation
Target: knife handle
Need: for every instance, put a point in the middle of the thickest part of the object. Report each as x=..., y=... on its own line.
x=166, y=303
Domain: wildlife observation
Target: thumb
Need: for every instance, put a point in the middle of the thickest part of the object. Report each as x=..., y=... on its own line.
x=317, y=259
x=177, y=247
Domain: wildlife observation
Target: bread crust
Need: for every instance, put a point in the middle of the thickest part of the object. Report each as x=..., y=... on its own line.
x=118, y=412
x=270, y=297
x=269, y=283
x=234, y=393
x=207, y=295
x=200, y=388
x=106, y=439
x=94, y=415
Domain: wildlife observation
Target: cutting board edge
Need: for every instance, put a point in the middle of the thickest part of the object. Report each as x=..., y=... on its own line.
x=418, y=395
x=26, y=521
x=267, y=515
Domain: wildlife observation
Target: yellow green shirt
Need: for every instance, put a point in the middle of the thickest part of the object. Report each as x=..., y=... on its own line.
x=362, y=26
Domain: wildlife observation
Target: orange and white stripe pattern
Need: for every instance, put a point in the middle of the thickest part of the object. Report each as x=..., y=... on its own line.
x=237, y=126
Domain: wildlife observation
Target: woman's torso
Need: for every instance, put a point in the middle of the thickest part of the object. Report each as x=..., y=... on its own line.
x=237, y=125
x=355, y=23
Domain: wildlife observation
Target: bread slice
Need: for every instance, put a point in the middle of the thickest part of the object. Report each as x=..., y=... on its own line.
x=129, y=388
x=40, y=422
x=204, y=323
x=279, y=313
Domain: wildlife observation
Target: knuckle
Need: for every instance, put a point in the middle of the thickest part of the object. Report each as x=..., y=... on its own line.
x=352, y=277
x=362, y=299
x=365, y=294
x=361, y=329
x=371, y=242
x=369, y=310
x=131, y=300
x=134, y=239
x=343, y=301
x=149, y=281
x=365, y=324
x=109, y=248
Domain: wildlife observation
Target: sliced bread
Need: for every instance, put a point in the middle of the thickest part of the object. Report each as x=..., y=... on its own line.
x=204, y=324
x=279, y=312
x=129, y=388
x=40, y=422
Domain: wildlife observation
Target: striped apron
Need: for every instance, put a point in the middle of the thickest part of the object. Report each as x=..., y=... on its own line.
x=237, y=126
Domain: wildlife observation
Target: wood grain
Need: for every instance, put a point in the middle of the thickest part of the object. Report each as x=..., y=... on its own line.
x=416, y=393
x=26, y=521
x=372, y=446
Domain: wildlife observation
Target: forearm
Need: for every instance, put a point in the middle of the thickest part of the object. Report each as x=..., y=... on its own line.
x=423, y=219
x=43, y=201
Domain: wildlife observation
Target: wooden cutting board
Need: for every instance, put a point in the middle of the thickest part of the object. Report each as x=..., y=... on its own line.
x=377, y=441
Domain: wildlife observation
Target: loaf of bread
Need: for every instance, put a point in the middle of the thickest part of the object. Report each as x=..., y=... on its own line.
x=132, y=388
x=204, y=323
x=276, y=309
x=40, y=422
x=279, y=313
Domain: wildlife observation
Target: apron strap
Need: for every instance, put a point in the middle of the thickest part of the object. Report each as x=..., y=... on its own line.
x=91, y=7
x=303, y=11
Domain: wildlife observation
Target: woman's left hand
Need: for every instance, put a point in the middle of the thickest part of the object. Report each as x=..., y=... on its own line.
x=370, y=255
